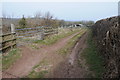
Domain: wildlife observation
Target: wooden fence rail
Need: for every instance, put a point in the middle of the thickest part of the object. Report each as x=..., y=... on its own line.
x=8, y=41
x=40, y=31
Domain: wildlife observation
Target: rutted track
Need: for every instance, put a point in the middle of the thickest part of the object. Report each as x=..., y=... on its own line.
x=69, y=68
x=31, y=57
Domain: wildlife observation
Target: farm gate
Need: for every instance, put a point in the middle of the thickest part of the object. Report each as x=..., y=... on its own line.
x=10, y=40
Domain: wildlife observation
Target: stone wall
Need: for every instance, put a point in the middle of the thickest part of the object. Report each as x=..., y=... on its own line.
x=106, y=33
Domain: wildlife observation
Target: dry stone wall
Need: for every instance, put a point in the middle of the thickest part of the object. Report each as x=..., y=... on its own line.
x=106, y=33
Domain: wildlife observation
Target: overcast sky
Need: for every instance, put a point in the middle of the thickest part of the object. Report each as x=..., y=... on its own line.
x=70, y=11
x=59, y=0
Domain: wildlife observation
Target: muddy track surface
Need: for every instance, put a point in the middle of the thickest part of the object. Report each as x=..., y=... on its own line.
x=31, y=57
x=69, y=68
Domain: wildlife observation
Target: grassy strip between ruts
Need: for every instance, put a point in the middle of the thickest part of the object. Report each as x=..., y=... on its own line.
x=10, y=58
x=52, y=39
x=40, y=70
x=92, y=58
x=67, y=48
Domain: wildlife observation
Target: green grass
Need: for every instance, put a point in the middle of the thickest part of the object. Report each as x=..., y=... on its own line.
x=41, y=73
x=67, y=48
x=52, y=39
x=93, y=58
x=10, y=58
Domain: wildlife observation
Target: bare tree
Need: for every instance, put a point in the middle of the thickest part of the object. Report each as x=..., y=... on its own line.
x=4, y=15
x=62, y=23
x=38, y=15
x=47, y=19
x=48, y=15
x=12, y=16
x=55, y=23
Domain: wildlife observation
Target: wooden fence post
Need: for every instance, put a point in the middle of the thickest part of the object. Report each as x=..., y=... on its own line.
x=12, y=28
x=41, y=34
x=1, y=35
x=13, y=34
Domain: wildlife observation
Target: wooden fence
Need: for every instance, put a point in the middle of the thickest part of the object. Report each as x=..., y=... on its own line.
x=7, y=41
x=36, y=32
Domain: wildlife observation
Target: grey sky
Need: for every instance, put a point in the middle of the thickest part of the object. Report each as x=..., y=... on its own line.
x=70, y=11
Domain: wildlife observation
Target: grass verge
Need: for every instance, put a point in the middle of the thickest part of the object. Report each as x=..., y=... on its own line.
x=67, y=48
x=10, y=58
x=93, y=58
x=52, y=39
